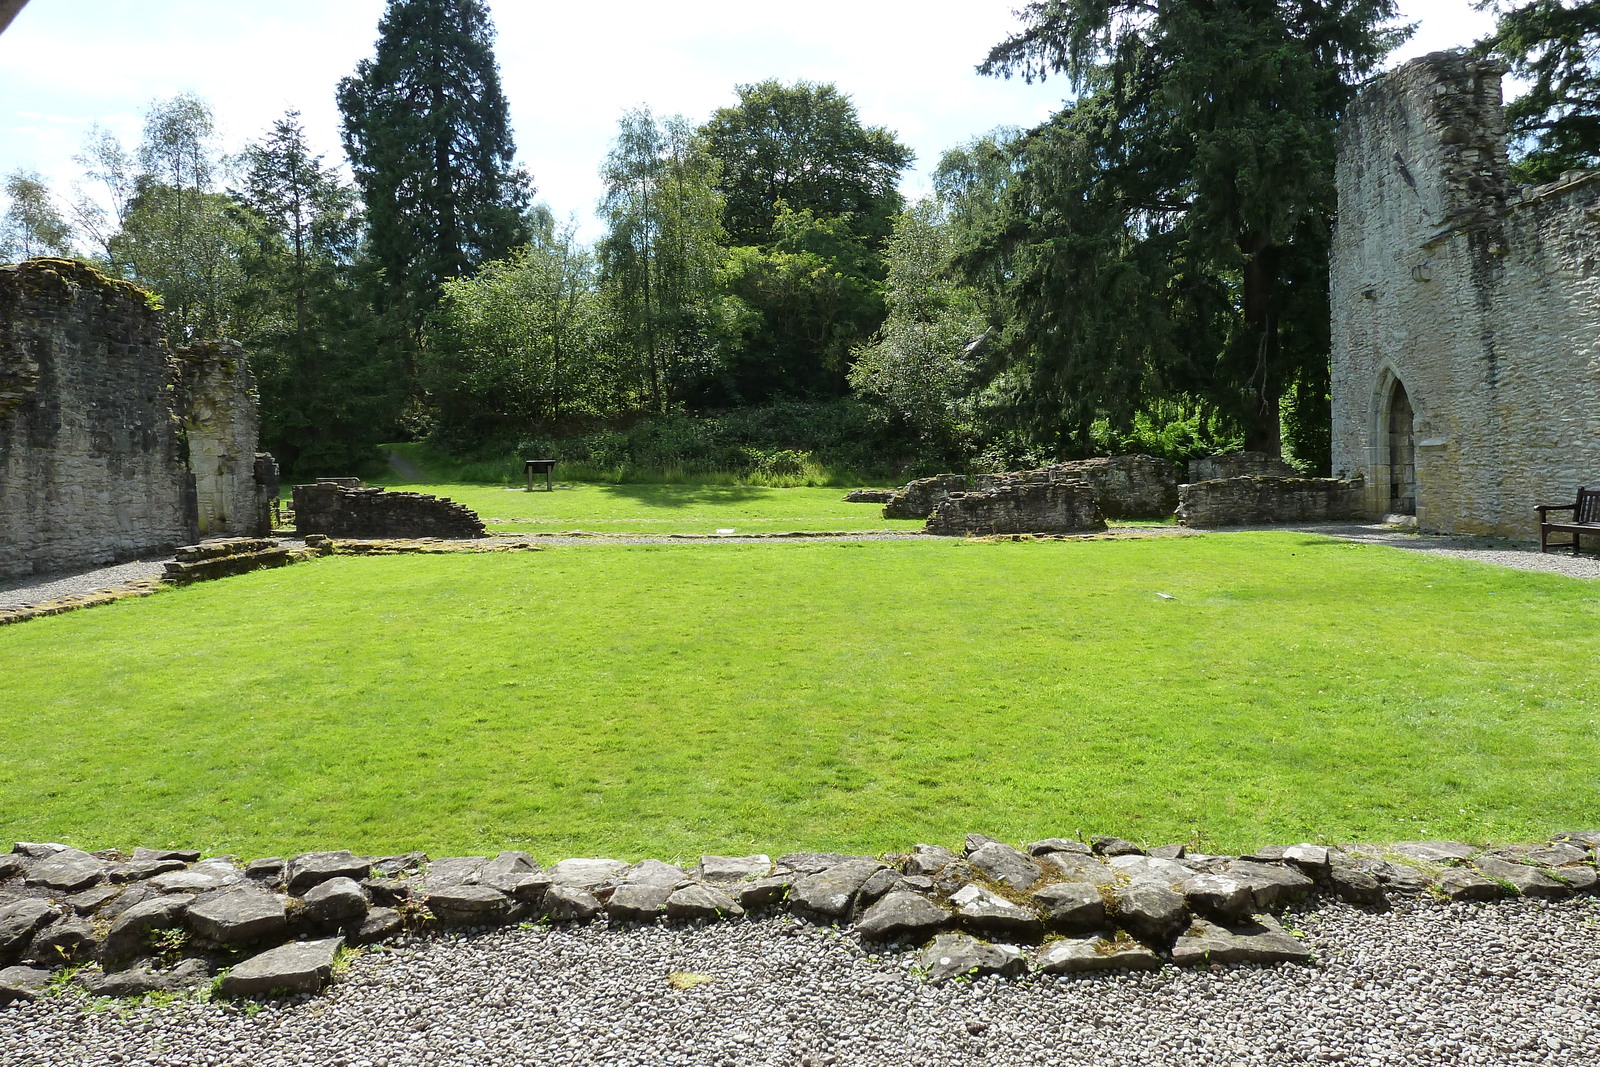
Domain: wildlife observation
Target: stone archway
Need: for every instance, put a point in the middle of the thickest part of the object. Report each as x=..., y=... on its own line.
x=1401, y=497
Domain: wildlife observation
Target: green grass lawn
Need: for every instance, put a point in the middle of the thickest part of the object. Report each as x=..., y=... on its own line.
x=668, y=700
x=662, y=509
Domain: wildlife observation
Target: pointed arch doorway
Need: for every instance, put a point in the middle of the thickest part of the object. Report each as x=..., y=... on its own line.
x=1402, y=453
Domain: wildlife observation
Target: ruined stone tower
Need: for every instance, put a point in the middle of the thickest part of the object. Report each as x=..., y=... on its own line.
x=111, y=446
x=1466, y=310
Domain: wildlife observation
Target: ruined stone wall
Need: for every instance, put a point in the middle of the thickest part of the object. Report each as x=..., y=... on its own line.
x=91, y=465
x=1030, y=507
x=1268, y=501
x=217, y=405
x=1481, y=299
x=340, y=511
x=1239, y=465
x=1127, y=487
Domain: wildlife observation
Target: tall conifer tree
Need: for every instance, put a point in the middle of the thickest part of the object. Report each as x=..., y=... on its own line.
x=429, y=140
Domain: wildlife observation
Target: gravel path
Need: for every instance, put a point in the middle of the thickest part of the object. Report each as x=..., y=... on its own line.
x=32, y=589
x=1430, y=983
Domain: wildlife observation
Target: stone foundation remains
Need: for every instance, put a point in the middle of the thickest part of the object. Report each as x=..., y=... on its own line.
x=1055, y=906
x=1267, y=501
x=916, y=500
x=1466, y=309
x=338, y=510
x=99, y=421
x=1126, y=487
x=1030, y=507
x=1240, y=465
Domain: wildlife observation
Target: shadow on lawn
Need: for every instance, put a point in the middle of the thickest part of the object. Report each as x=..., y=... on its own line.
x=657, y=495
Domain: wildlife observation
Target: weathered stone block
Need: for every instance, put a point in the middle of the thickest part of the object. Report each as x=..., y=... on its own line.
x=1048, y=507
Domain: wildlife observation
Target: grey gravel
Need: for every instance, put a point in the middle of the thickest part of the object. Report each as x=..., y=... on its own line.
x=1428, y=983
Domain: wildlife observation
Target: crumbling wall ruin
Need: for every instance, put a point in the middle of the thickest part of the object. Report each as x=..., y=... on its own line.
x=216, y=400
x=1466, y=310
x=1266, y=500
x=1024, y=507
x=1125, y=487
x=97, y=421
x=340, y=510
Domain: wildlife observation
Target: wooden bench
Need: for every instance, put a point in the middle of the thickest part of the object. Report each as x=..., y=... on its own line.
x=1585, y=519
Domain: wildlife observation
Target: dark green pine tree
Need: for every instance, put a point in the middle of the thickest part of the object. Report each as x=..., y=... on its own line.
x=1166, y=234
x=429, y=140
x=1555, y=46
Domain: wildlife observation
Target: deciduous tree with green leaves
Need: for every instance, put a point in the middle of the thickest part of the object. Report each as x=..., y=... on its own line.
x=660, y=259
x=429, y=140
x=32, y=224
x=1166, y=233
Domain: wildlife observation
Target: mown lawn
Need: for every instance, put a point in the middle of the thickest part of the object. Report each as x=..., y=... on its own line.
x=662, y=509
x=668, y=700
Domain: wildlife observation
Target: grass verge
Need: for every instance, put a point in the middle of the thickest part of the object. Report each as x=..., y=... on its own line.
x=863, y=696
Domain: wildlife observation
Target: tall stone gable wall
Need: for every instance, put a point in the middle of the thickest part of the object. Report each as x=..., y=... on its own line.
x=1481, y=298
x=221, y=419
x=90, y=454
x=97, y=419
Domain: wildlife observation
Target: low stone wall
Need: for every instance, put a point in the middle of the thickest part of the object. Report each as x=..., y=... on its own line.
x=164, y=919
x=1240, y=465
x=916, y=500
x=1044, y=507
x=340, y=511
x=1127, y=487
x=228, y=556
x=869, y=496
x=1264, y=501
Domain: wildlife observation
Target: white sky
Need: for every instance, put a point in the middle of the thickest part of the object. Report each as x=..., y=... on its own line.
x=569, y=70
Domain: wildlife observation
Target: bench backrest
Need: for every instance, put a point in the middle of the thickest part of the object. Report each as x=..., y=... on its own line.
x=1588, y=510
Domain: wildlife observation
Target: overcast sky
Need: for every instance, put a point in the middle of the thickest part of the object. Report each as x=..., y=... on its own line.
x=569, y=70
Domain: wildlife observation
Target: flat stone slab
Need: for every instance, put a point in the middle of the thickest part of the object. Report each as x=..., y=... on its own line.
x=980, y=909
x=311, y=868
x=1434, y=851
x=585, y=873
x=338, y=900
x=1074, y=907
x=1005, y=864
x=734, y=868
x=638, y=901
x=239, y=916
x=1073, y=867
x=701, y=902
x=129, y=934
x=1151, y=912
x=901, y=914
x=18, y=923
x=958, y=955
x=1075, y=955
x=469, y=903
x=299, y=967
x=1526, y=880
x=1271, y=885
x=1262, y=940
x=569, y=904
x=831, y=892
x=653, y=872
x=68, y=871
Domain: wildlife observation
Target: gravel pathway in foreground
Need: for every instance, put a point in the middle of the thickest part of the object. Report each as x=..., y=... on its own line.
x=1430, y=983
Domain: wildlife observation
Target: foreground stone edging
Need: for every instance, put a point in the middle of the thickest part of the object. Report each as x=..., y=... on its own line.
x=163, y=919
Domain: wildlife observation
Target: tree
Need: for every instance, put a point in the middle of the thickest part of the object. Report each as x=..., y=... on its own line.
x=1555, y=46
x=180, y=237
x=920, y=364
x=1166, y=234
x=659, y=262
x=803, y=145
x=108, y=164
x=429, y=140
x=520, y=343
x=321, y=356
x=32, y=226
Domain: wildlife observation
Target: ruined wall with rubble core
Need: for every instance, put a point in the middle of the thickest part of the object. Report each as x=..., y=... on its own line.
x=1466, y=310
x=91, y=464
x=218, y=408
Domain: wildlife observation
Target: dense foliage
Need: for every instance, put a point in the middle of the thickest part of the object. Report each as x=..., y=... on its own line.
x=1145, y=270
x=1555, y=46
